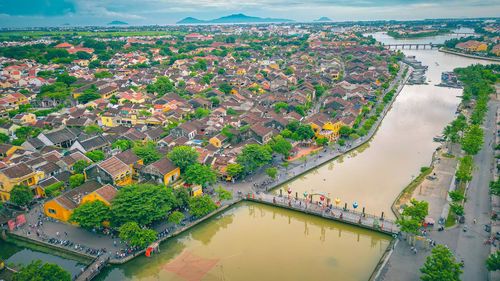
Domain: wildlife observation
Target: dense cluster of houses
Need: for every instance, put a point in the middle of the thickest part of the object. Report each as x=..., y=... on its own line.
x=351, y=73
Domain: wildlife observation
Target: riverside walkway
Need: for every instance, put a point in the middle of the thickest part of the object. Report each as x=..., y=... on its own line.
x=331, y=212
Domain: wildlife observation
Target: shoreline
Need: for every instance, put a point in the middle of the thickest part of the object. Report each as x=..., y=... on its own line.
x=445, y=50
x=368, y=137
x=363, y=141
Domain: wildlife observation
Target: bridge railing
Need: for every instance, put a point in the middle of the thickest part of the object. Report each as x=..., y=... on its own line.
x=331, y=212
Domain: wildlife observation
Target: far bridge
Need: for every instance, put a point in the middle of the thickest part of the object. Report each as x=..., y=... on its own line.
x=410, y=46
x=328, y=211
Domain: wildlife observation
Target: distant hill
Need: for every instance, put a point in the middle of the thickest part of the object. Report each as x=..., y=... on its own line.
x=117, y=22
x=235, y=18
x=324, y=19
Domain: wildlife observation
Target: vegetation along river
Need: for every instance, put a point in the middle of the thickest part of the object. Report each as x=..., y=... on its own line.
x=374, y=174
x=257, y=242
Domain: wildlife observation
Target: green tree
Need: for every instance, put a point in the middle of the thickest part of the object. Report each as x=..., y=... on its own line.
x=493, y=261
x=182, y=196
x=457, y=209
x=200, y=174
x=464, y=171
x=147, y=152
x=122, y=144
x=440, y=266
x=76, y=180
x=183, y=156
x=161, y=86
x=223, y=194
x=66, y=78
x=136, y=236
x=4, y=138
x=176, y=217
x=272, y=172
x=472, y=140
x=21, y=195
x=280, y=145
x=92, y=129
x=38, y=271
x=495, y=187
x=254, y=156
x=321, y=141
x=103, y=74
x=91, y=215
x=456, y=196
x=142, y=203
x=80, y=166
x=200, y=206
x=417, y=210
x=95, y=155
x=345, y=131
x=225, y=88
x=234, y=170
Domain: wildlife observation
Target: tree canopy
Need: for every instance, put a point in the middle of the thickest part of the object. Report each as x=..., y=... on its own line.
x=183, y=156
x=91, y=215
x=141, y=203
x=38, y=271
x=493, y=261
x=147, y=152
x=137, y=236
x=440, y=266
x=254, y=156
x=200, y=174
x=472, y=140
x=200, y=206
x=21, y=195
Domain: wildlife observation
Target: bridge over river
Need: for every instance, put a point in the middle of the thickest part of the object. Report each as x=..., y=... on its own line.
x=344, y=215
x=410, y=46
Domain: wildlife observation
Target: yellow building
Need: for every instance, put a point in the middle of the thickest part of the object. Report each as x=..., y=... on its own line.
x=7, y=150
x=326, y=129
x=217, y=140
x=19, y=174
x=473, y=46
x=107, y=120
x=162, y=171
x=62, y=207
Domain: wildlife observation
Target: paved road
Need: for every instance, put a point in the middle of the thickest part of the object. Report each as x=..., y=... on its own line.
x=469, y=246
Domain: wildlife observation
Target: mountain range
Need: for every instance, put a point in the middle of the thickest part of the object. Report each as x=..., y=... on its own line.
x=117, y=22
x=324, y=19
x=234, y=18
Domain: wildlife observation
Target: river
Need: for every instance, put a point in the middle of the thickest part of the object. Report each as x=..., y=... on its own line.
x=257, y=242
x=375, y=174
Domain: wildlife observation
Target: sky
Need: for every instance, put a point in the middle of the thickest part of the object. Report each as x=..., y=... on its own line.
x=33, y=13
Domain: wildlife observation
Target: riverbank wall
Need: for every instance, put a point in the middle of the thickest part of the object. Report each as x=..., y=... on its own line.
x=220, y=210
x=369, y=136
x=445, y=50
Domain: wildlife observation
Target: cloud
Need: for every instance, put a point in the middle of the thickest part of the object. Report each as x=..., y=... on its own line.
x=168, y=11
x=36, y=7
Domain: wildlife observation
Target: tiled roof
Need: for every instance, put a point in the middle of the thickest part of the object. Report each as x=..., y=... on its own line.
x=113, y=166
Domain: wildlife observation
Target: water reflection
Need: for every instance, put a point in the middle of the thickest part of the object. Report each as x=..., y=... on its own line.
x=16, y=255
x=374, y=174
x=257, y=242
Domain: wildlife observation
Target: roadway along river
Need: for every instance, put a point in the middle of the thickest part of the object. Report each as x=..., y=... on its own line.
x=374, y=174
x=256, y=242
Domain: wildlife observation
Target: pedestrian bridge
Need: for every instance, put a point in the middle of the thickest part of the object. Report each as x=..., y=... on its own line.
x=338, y=214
